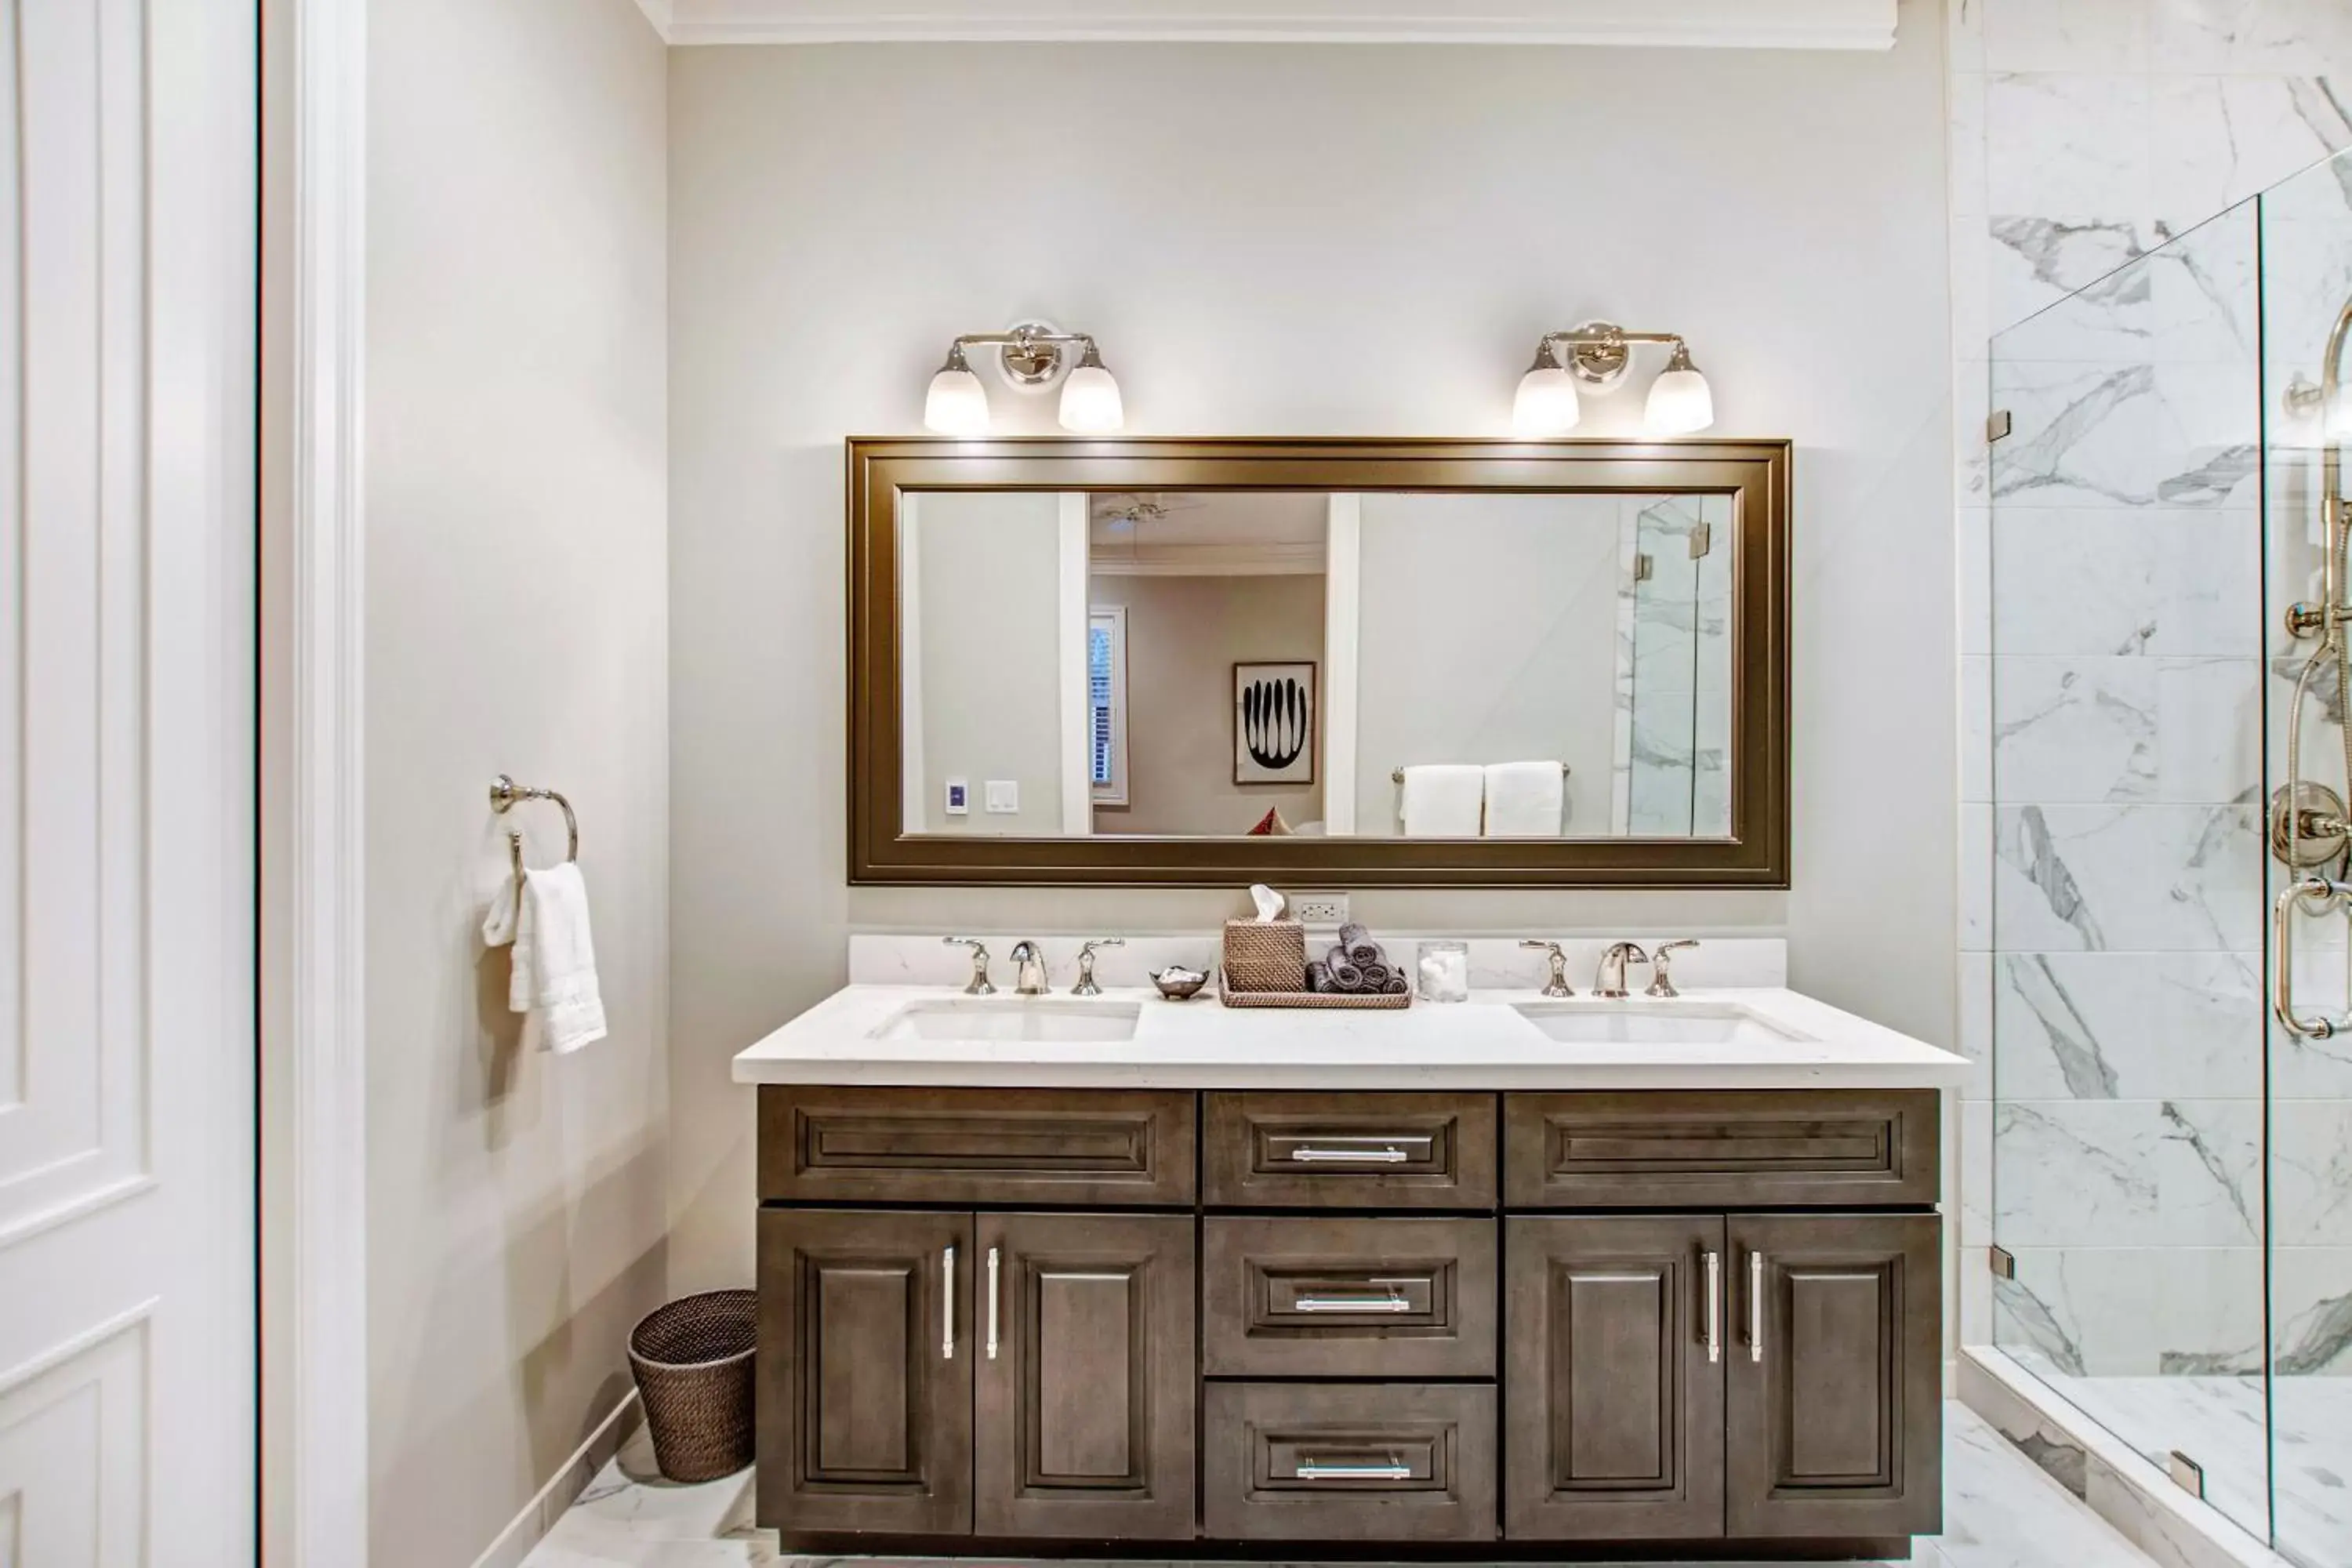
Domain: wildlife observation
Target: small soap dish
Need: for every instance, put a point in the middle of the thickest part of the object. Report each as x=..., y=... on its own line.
x=1179, y=984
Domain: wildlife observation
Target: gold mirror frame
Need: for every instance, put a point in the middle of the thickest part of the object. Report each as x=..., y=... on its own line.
x=1755, y=473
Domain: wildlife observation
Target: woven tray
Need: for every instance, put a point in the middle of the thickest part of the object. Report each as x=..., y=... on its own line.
x=1318, y=1000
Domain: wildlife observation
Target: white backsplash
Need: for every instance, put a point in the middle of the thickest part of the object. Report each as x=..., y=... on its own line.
x=1495, y=962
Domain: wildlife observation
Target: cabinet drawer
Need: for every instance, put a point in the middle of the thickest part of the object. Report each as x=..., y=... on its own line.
x=1303, y=1461
x=1332, y=1296
x=1350, y=1151
x=1778, y=1148
x=1111, y=1148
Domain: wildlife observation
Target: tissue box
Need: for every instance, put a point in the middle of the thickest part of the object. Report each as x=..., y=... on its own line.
x=1265, y=955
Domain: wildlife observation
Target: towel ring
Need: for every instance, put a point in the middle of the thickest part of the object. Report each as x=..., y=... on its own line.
x=505, y=791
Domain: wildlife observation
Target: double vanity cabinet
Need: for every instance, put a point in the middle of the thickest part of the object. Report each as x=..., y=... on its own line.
x=1187, y=1321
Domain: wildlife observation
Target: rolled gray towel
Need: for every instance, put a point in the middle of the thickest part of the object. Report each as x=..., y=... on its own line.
x=1376, y=975
x=1353, y=933
x=1318, y=976
x=1396, y=986
x=1347, y=977
x=1364, y=952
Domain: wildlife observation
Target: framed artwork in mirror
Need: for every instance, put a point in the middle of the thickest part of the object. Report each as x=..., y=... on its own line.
x=1273, y=723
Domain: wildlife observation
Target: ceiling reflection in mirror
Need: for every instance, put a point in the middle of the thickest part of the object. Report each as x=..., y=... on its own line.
x=1220, y=663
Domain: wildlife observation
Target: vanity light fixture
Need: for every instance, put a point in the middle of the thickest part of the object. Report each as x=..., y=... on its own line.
x=1599, y=353
x=1030, y=356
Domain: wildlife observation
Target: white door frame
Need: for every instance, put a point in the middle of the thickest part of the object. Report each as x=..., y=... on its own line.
x=315, y=1156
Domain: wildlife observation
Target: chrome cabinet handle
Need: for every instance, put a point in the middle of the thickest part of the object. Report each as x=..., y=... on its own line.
x=947, y=1304
x=1714, y=1306
x=1352, y=1156
x=1755, y=1305
x=1313, y=1470
x=1394, y=1301
x=992, y=1303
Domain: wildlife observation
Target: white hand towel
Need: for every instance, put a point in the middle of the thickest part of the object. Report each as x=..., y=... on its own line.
x=1524, y=800
x=554, y=957
x=1443, y=800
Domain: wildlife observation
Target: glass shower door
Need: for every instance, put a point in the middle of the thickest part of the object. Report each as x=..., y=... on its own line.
x=2126, y=711
x=2306, y=276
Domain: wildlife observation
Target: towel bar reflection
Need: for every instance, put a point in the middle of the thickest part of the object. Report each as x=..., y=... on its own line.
x=1396, y=776
x=505, y=791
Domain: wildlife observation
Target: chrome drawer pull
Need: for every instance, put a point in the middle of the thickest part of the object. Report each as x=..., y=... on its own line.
x=1394, y=1301
x=1755, y=1306
x=947, y=1304
x=992, y=1303
x=1312, y=1470
x=1368, y=1148
x=1714, y=1306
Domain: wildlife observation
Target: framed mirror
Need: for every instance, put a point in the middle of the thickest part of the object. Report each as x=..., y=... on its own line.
x=1357, y=662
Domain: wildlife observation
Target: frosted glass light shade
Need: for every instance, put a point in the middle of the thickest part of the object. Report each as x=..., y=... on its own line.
x=956, y=404
x=1546, y=403
x=1680, y=402
x=1090, y=401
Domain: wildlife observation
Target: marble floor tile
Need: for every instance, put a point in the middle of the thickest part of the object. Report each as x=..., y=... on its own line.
x=2220, y=1423
x=2000, y=1511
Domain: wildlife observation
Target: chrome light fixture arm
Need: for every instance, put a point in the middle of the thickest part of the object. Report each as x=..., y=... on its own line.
x=1034, y=354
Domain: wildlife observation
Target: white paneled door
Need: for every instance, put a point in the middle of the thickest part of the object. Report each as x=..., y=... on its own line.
x=128, y=185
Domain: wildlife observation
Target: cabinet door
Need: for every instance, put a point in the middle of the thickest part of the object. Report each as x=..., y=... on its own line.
x=1085, y=1398
x=1614, y=1418
x=1835, y=1412
x=864, y=1372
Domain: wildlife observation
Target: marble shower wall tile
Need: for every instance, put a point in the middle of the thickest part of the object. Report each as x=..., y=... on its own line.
x=2065, y=35
x=2125, y=729
x=2216, y=140
x=2065, y=142
x=2127, y=1026
x=2126, y=878
x=2311, y=1308
x=2105, y=580
x=2116, y=1312
x=2311, y=1172
x=2087, y=434
x=2136, y=1173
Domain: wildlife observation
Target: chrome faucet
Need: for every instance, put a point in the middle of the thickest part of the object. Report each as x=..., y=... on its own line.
x=980, y=986
x=1662, y=983
x=1028, y=969
x=1558, y=986
x=1611, y=981
x=1086, y=985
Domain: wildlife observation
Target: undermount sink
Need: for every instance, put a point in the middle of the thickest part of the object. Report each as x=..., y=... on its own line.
x=1603, y=1022
x=1010, y=1018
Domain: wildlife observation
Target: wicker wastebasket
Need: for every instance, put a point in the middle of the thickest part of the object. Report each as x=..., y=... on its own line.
x=693, y=1362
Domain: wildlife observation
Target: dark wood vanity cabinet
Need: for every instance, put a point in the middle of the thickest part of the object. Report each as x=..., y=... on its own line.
x=1442, y=1324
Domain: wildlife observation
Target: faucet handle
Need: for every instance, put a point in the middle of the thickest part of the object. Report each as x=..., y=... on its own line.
x=1662, y=983
x=980, y=986
x=1558, y=986
x=1086, y=985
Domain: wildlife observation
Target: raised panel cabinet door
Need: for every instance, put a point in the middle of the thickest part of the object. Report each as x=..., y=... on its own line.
x=1835, y=1394
x=1085, y=1360
x=1614, y=1332
x=864, y=1372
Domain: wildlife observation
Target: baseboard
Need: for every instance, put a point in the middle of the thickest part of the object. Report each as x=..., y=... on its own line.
x=2122, y=1486
x=571, y=1478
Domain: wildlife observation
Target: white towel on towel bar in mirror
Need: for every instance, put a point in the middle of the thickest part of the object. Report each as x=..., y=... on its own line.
x=1524, y=800
x=1443, y=800
x=554, y=979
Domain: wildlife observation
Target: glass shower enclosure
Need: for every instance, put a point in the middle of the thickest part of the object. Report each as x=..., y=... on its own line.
x=2170, y=1009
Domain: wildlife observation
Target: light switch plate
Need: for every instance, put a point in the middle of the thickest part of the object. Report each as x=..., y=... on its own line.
x=959, y=798
x=1004, y=797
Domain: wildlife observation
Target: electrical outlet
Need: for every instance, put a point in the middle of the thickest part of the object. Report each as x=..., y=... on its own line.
x=1320, y=909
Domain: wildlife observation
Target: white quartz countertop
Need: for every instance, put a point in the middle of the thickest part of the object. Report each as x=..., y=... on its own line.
x=1482, y=1043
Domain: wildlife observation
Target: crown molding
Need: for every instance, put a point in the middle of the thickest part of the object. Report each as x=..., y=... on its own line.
x=1693, y=24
